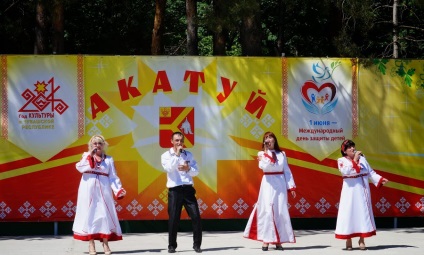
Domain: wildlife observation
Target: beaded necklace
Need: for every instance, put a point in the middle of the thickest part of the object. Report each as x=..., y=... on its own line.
x=99, y=162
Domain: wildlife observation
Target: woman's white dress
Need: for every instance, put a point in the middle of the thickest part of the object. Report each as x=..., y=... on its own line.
x=269, y=221
x=96, y=216
x=355, y=217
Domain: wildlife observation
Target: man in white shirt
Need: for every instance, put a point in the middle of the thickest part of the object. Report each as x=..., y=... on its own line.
x=181, y=167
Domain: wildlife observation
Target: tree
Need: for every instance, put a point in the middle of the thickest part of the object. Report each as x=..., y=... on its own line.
x=304, y=28
x=158, y=28
x=192, y=41
x=58, y=27
x=219, y=28
x=380, y=29
x=250, y=33
x=40, y=28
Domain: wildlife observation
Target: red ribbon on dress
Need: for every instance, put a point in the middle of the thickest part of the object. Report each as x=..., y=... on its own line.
x=355, y=165
x=273, y=158
x=91, y=161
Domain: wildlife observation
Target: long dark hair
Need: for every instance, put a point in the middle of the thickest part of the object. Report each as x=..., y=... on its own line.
x=346, y=145
x=269, y=133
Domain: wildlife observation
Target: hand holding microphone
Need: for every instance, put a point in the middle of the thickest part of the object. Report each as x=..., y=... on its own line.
x=93, y=152
x=180, y=150
x=360, y=153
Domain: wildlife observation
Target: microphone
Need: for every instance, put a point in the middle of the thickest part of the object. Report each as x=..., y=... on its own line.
x=360, y=154
x=183, y=151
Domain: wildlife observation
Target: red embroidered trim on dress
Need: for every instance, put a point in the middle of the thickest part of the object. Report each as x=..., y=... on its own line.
x=98, y=173
x=355, y=176
x=273, y=173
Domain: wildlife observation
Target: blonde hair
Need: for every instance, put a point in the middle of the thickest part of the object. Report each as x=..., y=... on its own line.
x=97, y=139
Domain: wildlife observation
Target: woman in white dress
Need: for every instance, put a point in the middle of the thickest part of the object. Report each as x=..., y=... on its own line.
x=269, y=221
x=355, y=217
x=96, y=217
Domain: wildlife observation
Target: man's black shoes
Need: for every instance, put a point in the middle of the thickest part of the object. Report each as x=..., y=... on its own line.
x=196, y=249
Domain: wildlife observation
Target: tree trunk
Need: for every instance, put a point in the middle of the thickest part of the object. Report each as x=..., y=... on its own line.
x=58, y=21
x=395, y=30
x=279, y=44
x=192, y=40
x=158, y=28
x=219, y=36
x=250, y=35
x=40, y=28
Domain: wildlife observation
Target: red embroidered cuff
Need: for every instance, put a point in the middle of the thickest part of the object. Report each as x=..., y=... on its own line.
x=121, y=193
x=380, y=183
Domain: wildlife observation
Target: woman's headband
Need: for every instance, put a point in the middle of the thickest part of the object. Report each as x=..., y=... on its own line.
x=343, y=148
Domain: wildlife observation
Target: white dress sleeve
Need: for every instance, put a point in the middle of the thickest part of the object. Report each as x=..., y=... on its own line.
x=83, y=165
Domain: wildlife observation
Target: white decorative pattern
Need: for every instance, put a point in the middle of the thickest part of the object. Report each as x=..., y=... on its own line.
x=246, y=120
x=403, y=205
x=48, y=209
x=202, y=206
x=420, y=205
x=219, y=207
x=27, y=209
x=105, y=121
x=134, y=207
x=118, y=207
x=256, y=131
x=303, y=205
x=240, y=206
x=268, y=120
x=382, y=205
x=322, y=206
x=4, y=210
x=155, y=207
x=69, y=209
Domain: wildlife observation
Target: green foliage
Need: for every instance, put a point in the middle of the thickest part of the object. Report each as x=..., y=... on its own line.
x=109, y=27
x=400, y=70
x=406, y=75
x=381, y=65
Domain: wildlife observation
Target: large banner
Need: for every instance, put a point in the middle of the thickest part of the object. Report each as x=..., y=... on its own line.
x=52, y=105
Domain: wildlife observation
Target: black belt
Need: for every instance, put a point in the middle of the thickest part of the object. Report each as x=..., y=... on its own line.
x=182, y=186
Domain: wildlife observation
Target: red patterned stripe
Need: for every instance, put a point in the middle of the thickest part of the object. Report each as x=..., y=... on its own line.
x=355, y=118
x=97, y=173
x=3, y=87
x=98, y=236
x=81, y=96
x=372, y=233
x=285, y=96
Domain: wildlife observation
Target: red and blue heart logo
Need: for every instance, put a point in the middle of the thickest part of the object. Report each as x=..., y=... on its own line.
x=319, y=99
